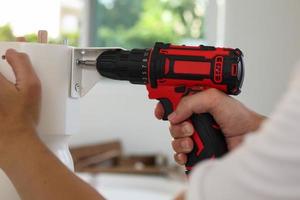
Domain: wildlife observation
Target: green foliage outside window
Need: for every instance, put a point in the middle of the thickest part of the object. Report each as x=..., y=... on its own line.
x=136, y=23
x=6, y=33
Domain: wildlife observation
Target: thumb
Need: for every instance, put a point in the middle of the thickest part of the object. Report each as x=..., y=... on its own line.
x=201, y=102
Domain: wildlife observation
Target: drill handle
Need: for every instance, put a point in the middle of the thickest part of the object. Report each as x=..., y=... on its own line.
x=209, y=141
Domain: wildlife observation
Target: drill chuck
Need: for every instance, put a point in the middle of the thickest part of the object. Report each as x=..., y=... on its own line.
x=124, y=65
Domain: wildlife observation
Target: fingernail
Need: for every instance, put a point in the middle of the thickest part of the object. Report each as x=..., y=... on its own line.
x=185, y=144
x=187, y=129
x=172, y=116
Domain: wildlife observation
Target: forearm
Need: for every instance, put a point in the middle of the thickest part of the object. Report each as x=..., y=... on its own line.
x=38, y=174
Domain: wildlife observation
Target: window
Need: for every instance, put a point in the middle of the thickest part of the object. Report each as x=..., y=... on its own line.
x=125, y=23
x=61, y=18
x=139, y=24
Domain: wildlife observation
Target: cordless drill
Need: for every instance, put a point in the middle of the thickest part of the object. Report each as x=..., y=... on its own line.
x=171, y=72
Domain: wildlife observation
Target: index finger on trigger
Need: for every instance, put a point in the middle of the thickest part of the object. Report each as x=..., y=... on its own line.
x=159, y=111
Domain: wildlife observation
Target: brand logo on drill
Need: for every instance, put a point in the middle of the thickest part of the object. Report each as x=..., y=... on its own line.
x=218, y=69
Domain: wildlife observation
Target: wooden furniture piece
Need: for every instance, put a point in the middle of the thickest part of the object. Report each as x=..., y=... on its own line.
x=108, y=157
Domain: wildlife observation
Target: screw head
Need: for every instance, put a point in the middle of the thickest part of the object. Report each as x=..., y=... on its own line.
x=77, y=87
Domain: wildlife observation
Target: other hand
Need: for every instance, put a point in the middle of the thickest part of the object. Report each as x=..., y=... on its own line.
x=19, y=102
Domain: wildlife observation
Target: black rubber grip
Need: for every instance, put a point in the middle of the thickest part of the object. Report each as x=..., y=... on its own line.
x=168, y=108
x=211, y=137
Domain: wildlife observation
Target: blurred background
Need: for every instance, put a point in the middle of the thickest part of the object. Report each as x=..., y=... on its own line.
x=127, y=23
x=267, y=31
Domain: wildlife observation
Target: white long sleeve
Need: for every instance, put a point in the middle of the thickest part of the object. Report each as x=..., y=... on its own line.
x=265, y=167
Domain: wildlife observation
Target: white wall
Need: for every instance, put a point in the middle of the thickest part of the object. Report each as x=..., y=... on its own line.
x=267, y=31
x=119, y=110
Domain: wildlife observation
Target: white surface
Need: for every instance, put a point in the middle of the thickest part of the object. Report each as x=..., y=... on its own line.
x=134, y=187
x=120, y=110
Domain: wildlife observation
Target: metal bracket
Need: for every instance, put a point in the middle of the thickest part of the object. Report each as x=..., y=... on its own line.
x=84, y=78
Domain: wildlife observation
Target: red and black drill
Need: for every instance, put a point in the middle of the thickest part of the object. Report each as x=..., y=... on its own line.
x=171, y=72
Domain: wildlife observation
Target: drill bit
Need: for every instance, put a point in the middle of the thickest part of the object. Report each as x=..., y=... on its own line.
x=86, y=62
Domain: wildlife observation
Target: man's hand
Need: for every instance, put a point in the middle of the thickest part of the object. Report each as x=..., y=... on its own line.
x=233, y=117
x=19, y=103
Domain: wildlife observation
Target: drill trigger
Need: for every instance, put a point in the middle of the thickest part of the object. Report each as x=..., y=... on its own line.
x=168, y=107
